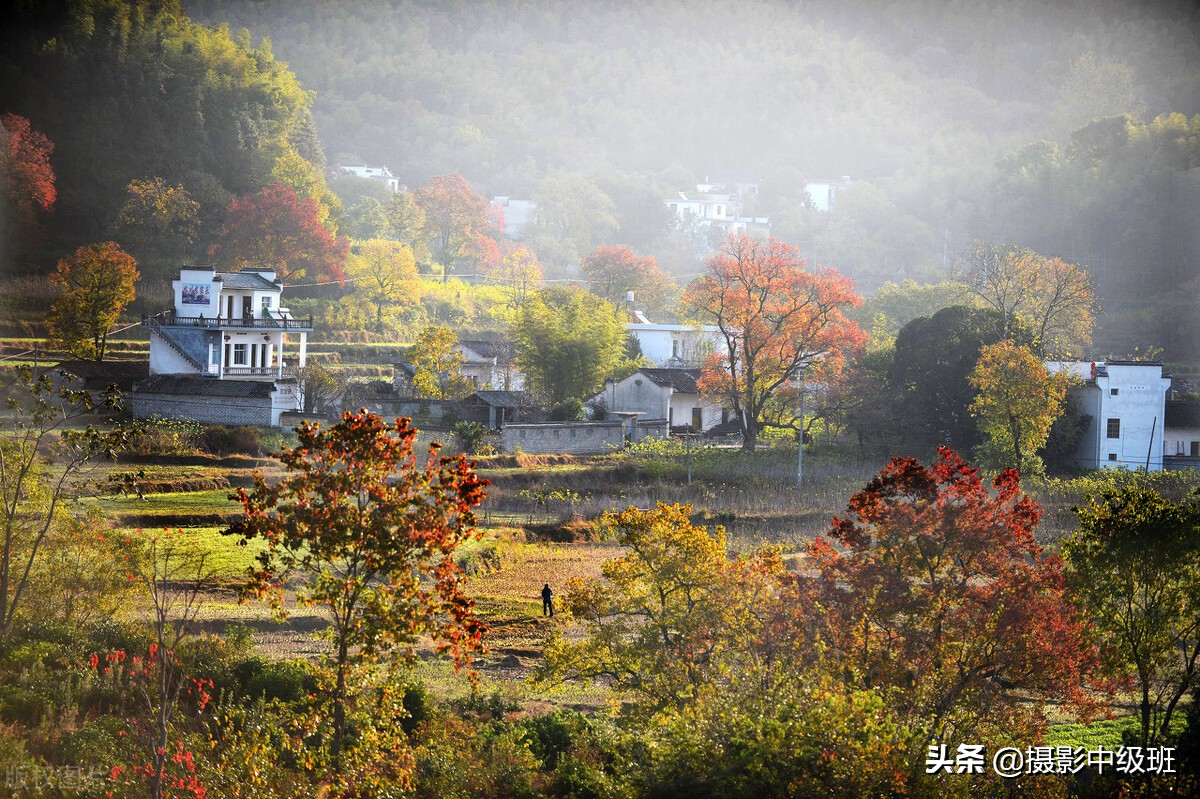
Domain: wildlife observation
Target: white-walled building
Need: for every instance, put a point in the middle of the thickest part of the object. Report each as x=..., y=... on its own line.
x=218, y=355
x=380, y=173
x=517, y=215
x=676, y=345
x=1126, y=405
x=662, y=394
x=1181, y=434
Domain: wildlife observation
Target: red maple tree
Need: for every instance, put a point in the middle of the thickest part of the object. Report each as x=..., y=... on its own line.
x=778, y=323
x=26, y=176
x=935, y=593
x=277, y=229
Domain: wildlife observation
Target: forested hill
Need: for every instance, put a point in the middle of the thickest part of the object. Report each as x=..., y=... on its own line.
x=504, y=91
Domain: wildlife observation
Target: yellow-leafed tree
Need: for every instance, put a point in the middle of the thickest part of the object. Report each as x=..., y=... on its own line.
x=1017, y=403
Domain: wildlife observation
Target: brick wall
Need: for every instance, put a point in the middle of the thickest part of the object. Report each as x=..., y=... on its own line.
x=209, y=410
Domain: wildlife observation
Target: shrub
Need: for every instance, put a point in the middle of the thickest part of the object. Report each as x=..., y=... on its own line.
x=571, y=410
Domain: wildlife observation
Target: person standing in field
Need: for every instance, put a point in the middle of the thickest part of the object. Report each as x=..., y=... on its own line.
x=547, y=601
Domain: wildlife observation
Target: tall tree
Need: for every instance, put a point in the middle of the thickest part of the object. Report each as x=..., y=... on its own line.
x=454, y=215
x=276, y=229
x=26, y=176
x=779, y=324
x=613, y=271
x=567, y=341
x=406, y=222
x=385, y=273
x=1017, y=403
x=1052, y=299
x=518, y=273
x=436, y=360
x=1135, y=568
x=928, y=377
x=573, y=216
x=159, y=222
x=375, y=533
x=935, y=593
x=96, y=284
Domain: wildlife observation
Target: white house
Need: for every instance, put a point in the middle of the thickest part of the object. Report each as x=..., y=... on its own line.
x=823, y=193
x=676, y=345
x=517, y=214
x=1126, y=405
x=662, y=394
x=1181, y=434
x=381, y=173
x=218, y=355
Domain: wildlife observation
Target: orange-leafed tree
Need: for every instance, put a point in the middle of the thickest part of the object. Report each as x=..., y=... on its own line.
x=454, y=215
x=936, y=594
x=370, y=534
x=26, y=176
x=778, y=324
x=612, y=271
x=277, y=229
x=96, y=283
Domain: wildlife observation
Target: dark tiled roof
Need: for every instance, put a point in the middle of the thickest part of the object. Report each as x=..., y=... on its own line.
x=1182, y=413
x=682, y=381
x=99, y=375
x=499, y=349
x=246, y=280
x=505, y=399
x=198, y=386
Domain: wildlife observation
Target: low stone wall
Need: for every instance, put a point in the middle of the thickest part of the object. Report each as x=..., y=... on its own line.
x=575, y=438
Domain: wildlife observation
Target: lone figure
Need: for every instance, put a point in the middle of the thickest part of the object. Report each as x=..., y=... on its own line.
x=547, y=601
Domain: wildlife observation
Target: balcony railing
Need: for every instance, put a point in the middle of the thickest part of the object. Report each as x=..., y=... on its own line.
x=259, y=371
x=169, y=318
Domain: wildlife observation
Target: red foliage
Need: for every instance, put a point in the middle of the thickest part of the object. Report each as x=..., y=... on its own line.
x=276, y=229
x=25, y=172
x=937, y=594
x=777, y=320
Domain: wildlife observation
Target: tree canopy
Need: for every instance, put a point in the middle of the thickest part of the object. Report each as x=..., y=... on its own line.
x=778, y=323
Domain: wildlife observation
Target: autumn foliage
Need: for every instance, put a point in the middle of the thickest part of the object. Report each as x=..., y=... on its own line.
x=778, y=322
x=276, y=229
x=26, y=176
x=96, y=283
x=937, y=595
x=373, y=533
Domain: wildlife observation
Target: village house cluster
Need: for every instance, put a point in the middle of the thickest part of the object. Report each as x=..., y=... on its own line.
x=230, y=352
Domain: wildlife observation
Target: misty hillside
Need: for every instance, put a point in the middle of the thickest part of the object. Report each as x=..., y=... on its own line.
x=504, y=91
x=957, y=121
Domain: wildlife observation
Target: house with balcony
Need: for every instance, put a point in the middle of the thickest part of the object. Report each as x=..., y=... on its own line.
x=225, y=353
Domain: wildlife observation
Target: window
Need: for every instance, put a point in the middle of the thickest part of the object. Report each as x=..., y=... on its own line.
x=266, y=302
x=1114, y=428
x=1112, y=392
x=1195, y=449
x=1112, y=456
x=239, y=354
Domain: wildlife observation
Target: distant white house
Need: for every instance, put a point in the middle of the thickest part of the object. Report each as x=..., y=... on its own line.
x=487, y=363
x=517, y=214
x=823, y=193
x=719, y=210
x=218, y=355
x=381, y=173
x=670, y=395
x=670, y=345
x=1126, y=405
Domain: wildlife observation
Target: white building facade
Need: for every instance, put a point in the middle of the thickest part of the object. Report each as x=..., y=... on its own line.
x=1125, y=402
x=684, y=346
x=224, y=328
